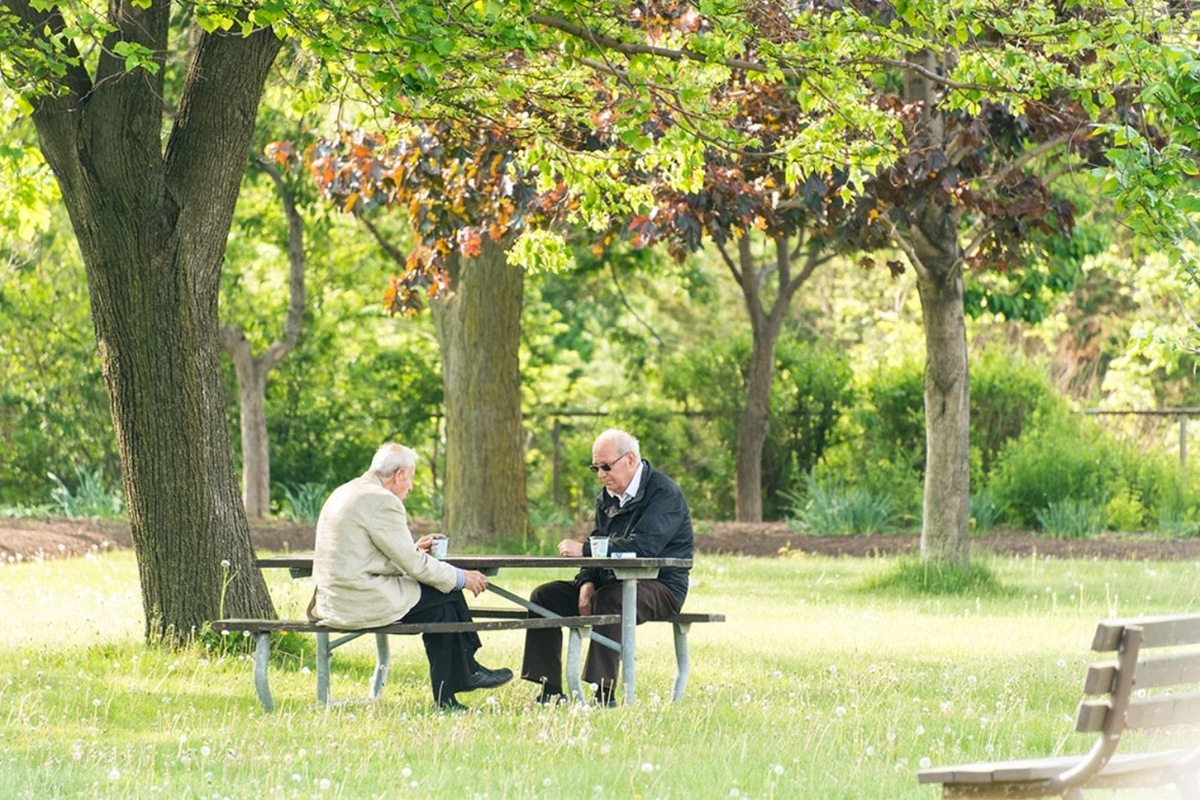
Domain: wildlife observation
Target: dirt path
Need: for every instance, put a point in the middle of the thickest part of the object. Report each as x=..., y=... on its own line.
x=25, y=539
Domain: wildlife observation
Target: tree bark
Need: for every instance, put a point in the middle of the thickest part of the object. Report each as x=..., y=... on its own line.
x=932, y=245
x=152, y=228
x=252, y=371
x=479, y=329
x=946, y=503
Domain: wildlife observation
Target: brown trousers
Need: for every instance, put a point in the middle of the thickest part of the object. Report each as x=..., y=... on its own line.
x=543, y=648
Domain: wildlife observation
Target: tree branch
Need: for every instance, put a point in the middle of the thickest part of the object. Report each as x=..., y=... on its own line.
x=632, y=48
x=729, y=262
x=625, y=302
x=294, y=321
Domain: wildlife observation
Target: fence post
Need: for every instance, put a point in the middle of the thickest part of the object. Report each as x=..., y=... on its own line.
x=556, y=469
x=1183, y=446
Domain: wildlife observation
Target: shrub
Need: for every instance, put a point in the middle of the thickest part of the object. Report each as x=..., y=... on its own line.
x=1059, y=457
x=302, y=502
x=1124, y=512
x=836, y=508
x=91, y=496
x=1071, y=519
x=984, y=511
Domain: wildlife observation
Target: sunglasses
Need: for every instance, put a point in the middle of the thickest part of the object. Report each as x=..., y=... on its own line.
x=605, y=466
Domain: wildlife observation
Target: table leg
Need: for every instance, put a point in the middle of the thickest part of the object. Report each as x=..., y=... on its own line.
x=628, y=637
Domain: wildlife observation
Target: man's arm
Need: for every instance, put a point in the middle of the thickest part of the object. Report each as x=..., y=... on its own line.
x=388, y=529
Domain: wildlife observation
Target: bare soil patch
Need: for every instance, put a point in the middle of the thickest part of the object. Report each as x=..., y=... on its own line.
x=26, y=539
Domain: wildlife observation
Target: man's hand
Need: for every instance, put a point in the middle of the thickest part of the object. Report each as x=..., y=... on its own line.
x=586, y=591
x=569, y=548
x=476, y=581
x=425, y=543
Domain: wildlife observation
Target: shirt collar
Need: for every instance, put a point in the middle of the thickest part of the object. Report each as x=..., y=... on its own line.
x=632, y=489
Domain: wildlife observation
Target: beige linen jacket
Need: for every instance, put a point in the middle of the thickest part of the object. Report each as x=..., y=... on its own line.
x=367, y=567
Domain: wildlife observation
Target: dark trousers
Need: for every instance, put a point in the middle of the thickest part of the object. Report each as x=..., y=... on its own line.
x=543, y=648
x=451, y=655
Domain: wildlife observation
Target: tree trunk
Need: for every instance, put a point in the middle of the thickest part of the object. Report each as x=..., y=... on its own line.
x=932, y=245
x=152, y=231
x=479, y=328
x=946, y=507
x=252, y=372
x=754, y=422
x=252, y=407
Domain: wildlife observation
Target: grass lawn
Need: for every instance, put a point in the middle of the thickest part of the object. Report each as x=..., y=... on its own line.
x=814, y=688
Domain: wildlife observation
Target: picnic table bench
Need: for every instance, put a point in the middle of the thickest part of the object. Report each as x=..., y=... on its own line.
x=485, y=619
x=1148, y=686
x=261, y=630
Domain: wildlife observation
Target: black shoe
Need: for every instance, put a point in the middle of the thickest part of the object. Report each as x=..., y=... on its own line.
x=451, y=704
x=605, y=701
x=484, y=678
x=551, y=698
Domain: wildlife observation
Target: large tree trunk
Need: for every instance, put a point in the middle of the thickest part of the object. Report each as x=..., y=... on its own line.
x=479, y=328
x=152, y=231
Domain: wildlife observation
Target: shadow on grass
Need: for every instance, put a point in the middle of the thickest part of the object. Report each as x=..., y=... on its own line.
x=916, y=578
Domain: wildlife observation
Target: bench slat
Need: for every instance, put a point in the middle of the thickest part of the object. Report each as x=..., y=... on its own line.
x=304, y=626
x=516, y=613
x=1143, y=713
x=1152, y=672
x=1165, y=631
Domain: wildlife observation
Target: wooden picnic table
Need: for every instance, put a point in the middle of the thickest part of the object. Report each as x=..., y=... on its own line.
x=626, y=570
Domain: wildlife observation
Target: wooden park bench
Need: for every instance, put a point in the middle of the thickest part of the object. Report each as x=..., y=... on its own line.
x=1150, y=685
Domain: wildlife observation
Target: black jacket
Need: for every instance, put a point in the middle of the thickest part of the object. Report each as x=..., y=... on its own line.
x=656, y=523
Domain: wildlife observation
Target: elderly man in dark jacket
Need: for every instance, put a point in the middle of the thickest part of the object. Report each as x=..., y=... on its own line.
x=642, y=511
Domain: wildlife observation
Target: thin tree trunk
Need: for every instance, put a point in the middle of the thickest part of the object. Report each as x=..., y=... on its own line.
x=252, y=371
x=479, y=328
x=933, y=247
x=152, y=230
x=766, y=323
x=946, y=506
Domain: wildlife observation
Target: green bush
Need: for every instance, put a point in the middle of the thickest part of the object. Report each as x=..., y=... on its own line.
x=89, y=496
x=1071, y=519
x=836, y=508
x=1006, y=390
x=1124, y=512
x=1064, y=457
x=1059, y=457
x=302, y=502
x=984, y=511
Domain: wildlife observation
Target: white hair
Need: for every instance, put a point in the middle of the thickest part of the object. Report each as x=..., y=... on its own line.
x=391, y=458
x=624, y=441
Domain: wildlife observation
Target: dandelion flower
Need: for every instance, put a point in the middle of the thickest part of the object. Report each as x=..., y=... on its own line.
x=647, y=766
x=114, y=774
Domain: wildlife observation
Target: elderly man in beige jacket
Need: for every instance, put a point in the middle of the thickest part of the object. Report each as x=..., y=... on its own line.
x=370, y=572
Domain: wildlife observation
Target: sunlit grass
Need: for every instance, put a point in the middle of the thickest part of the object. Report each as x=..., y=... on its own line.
x=814, y=688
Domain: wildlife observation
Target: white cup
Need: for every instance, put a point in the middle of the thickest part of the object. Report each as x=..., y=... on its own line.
x=439, y=547
x=599, y=546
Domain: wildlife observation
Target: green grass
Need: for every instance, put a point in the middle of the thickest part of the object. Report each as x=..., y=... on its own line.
x=815, y=688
